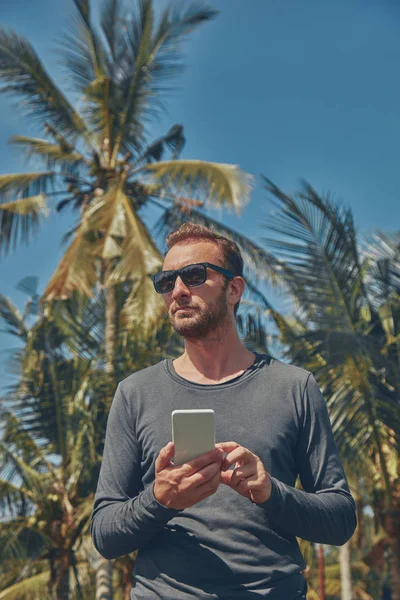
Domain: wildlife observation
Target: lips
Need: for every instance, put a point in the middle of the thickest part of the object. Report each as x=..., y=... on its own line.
x=182, y=308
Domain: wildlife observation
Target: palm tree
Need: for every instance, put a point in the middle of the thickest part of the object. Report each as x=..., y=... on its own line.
x=99, y=158
x=46, y=515
x=47, y=463
x=51, y=447
x=346, y=330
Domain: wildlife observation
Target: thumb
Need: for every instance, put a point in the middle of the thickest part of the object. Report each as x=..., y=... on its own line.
x=164, y=458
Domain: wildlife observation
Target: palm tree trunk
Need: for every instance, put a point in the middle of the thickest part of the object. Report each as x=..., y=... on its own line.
x=345, y=572
x=61, y=584
x=111, y=328
x=321, y=571
x=360, y=524
x=395, y=568
x=104, y=570
x=392, y=527
x=104, y=587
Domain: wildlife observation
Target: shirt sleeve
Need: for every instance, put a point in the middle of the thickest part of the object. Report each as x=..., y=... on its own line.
x=325, y=511
x=125, y=516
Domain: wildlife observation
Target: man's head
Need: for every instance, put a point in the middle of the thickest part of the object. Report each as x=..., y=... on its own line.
x=196, y=311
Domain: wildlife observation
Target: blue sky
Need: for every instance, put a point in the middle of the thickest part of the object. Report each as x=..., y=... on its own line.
x=285, y=88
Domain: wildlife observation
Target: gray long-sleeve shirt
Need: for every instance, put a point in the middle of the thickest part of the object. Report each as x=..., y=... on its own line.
x=224, y=547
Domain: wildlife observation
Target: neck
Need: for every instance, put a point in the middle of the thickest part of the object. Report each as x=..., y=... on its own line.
x=216, y=357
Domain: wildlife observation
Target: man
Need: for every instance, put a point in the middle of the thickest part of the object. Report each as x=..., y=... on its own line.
x=224, y=525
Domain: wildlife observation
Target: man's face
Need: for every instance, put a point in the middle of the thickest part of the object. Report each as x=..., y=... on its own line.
x=195, y=312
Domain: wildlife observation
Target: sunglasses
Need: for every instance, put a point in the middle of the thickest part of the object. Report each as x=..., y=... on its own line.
x=191, y=275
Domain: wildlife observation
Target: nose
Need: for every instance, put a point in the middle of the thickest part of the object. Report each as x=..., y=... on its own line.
x=180, y=289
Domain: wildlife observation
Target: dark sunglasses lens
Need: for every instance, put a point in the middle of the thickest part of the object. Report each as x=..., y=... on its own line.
x=193, y=275
x=164, y=282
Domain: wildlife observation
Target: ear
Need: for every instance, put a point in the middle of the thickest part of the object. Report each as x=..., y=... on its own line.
x=236, y=290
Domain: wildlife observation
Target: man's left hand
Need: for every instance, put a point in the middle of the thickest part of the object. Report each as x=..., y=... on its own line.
x=249, y=478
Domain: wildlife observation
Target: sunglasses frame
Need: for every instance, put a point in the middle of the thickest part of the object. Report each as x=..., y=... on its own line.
x=177, y=273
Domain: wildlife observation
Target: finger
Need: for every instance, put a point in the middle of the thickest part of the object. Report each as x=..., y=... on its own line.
x=204, y=475
x=192, y=466
x=226, y=477
x=227, y=446
x=209, y=487
x=163, y=460
x=243, y=488
x=240, y=454
x=243, y=472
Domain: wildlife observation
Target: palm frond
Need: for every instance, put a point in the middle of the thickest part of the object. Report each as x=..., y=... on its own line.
x=82, y=442
x=134, y=76
x=111, y=23
x=15, y=569
x=174, y=25
x=82, y=49
x=18, y=540
x=31, y=588
x=19, y=440
x=220, y=185
x=147, y=57
x=143, y=309
x=13, y=499
x=317, y=242
x=76, y=270
x=101, y=113
x=124, y=236
x=106, y=216
x=340, y=336
x=12, y=318
x=81, y=321
x=20, y=220
x=82, y=516
x=174, y=140
x=253, y=332
x=63, y=155
x=25, y=184
x=383, y=276
x=33, y=481
x=28, y=285
x=22, y=74
x=81, y=452
x=51, y=384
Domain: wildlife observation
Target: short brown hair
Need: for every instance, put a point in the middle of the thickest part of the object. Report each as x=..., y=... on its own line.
x=193, y=232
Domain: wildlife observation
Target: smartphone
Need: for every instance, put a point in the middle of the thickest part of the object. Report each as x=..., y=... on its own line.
x=193, y=433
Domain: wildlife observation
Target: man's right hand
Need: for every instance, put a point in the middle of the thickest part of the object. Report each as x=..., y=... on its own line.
x=179, y=487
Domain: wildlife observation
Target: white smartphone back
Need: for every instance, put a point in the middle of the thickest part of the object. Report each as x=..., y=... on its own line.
x=193, y=433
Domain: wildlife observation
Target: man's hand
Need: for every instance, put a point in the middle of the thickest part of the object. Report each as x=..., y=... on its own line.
x=249, y=478
x=182, y=486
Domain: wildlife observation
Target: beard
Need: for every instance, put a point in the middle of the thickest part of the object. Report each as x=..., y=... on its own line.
x=198, y=323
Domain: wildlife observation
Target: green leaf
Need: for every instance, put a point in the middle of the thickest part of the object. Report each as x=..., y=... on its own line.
x=111, y=23
x=148, y=56
x=143, y=309
x=19, y=220
x=53, y=154
x=174, y=140
x=25, y=184
x=23, y=74
x=31, y=588
x=33, y=481
x=10, y=314
x=221, y=185
x=76, y=270
x=316, y=240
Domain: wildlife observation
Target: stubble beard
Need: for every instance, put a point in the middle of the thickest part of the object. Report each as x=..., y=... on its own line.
x=200, y=323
